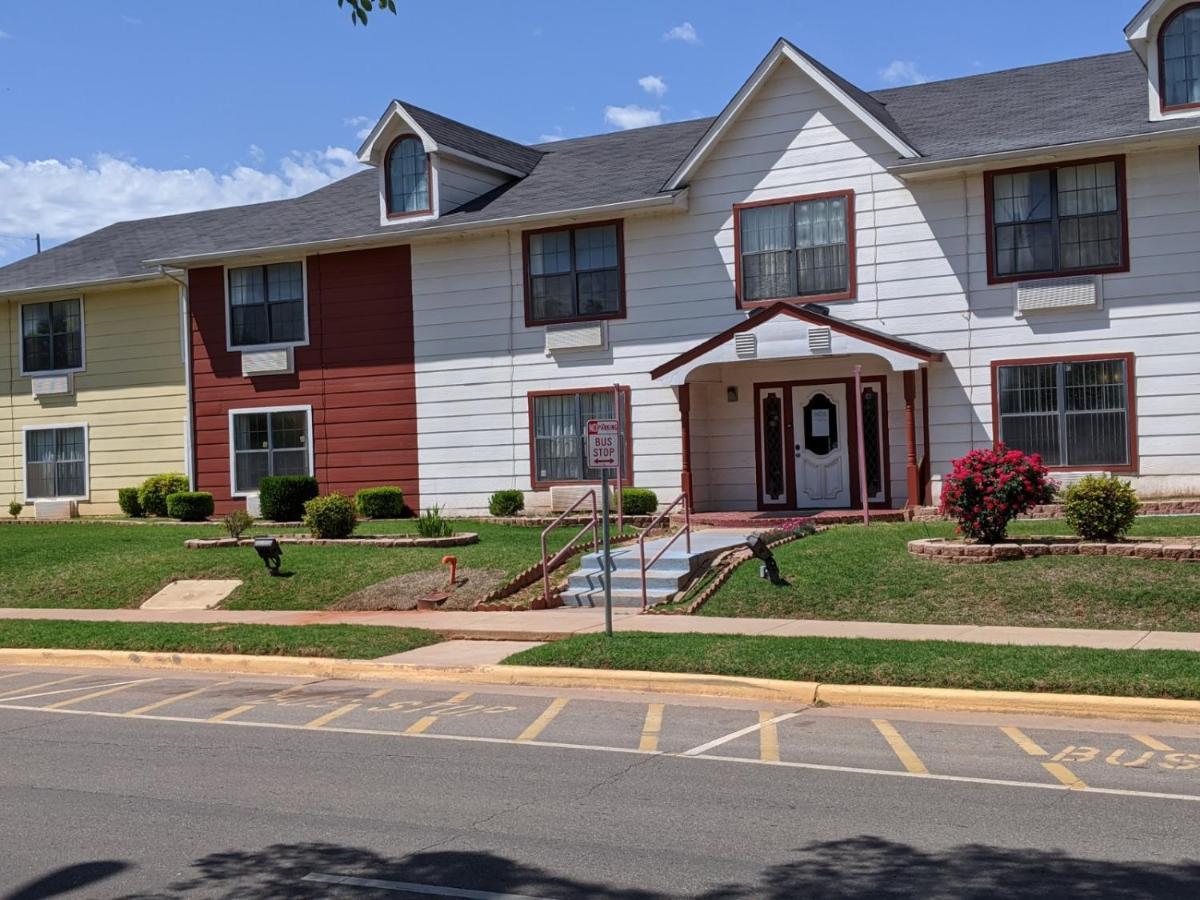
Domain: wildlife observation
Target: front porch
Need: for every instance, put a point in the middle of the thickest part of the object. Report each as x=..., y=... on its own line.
x=794, y=413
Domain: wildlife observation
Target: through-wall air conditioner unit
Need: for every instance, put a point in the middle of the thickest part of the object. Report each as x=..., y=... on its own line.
x=268, y=362
x=54, y=509
x=1048, y=294
x=1067, y=479
x=53, y=385
x=576, y=336
x=562, y=496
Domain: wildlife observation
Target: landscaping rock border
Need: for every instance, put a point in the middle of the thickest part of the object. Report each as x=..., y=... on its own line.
x=455, y=540
x=1054, y=510
x=958, y=551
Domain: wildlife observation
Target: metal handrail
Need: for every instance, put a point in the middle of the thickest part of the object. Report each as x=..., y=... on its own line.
x=686, y=530
x=593, y=523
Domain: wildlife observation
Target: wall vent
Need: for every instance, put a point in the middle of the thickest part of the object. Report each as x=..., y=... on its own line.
x=268, y=362
x=745, y=346
x=820, y=340
x=575, y=336
x=1075, y=292
x=53, y=385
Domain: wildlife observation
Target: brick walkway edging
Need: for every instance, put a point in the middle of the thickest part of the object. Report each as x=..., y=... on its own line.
x=455, y=540
x=957, y=551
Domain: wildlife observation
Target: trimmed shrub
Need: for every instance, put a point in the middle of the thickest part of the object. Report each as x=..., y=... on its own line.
x=1100, y=507
x=15, y=507
x=127, y=499
x=190, y=506
x=432, y=524
x=152, y=495
x=282, y=497
x=237, y=522
x=331, y=516
x=506, y=503
x=639, y=501
x=987, y=489
x=380, y=502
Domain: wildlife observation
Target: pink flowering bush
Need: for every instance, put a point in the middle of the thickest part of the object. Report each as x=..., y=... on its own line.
x=989, y=488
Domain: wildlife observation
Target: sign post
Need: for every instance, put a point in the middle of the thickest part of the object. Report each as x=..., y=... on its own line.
x=604, y=453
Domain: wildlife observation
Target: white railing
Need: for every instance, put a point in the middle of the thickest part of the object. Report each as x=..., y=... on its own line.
x=593, y=523
x=686, y=531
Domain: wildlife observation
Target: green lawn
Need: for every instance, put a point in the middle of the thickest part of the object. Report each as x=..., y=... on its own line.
x=856, y=573
x=1072, y=670
x=105, y=565
x=341, y=641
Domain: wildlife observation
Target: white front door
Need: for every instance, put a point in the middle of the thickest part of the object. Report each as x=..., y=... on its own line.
x=821, y=446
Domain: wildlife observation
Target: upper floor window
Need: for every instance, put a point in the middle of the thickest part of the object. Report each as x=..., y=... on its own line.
x=574, y=274
x=1061, y=220
x=51, y=337
x=407, y=177
x=799, y=248
x=266, y=305
x=1179, y=59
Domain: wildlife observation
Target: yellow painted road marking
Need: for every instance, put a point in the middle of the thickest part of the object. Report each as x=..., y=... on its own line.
x=382, y=692
x=150, y=707
x=422, y=725
x=1153, y=743
x=330, y=716
x=230, y=713
x=1023, y=741
x=741, y=732
x=651, y=728
x=92, y=696
x=539, y=724
x=768, y=740
x=44, y=684
x=1065, y=775
x=900, y=747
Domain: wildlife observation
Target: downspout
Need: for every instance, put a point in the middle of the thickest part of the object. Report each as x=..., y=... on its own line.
x=185, y=349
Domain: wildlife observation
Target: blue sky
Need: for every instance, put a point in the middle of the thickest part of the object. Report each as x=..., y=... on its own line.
x=113, y=110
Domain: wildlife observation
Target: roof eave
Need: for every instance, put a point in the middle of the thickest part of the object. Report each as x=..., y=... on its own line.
x=59, y=287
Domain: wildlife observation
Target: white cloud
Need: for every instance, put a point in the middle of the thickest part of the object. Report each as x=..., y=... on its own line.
x=257, y=153
x=653, y=84
x=130, y=20
x=900, y=71
x=632, y=116
x=4, y=34
x=362, y=124
x=63, y=199
x=685, y=32
x=556, y=135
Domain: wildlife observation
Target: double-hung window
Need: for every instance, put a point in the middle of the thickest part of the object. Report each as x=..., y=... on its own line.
x=52, y=337
x=266, y=305
x=56, y=463
x=558, y=423
x=1077, y=413
x=1060, y=220
x=269, y=442
x=574, y=274
x=796, y=249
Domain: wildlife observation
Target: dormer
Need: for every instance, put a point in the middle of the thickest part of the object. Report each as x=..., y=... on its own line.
x=1166, y=35
x=429, y=165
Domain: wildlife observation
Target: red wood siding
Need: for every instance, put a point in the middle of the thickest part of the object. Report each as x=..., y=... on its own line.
x=356, y=373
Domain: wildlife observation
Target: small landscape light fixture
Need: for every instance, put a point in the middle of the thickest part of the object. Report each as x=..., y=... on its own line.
x=769, y=568
x=731, y=393
x=270, y=553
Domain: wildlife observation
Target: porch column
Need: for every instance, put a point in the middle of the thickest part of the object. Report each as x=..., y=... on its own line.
x=912, y=472
x=685, y=429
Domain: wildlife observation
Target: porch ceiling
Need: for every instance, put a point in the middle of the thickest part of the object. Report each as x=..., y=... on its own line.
x=784, y=331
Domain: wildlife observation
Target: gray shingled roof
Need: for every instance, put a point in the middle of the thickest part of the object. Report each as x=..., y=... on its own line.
x=1090, y=99
x=457, y=136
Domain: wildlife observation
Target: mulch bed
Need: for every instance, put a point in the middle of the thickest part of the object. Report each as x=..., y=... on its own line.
x=403, y=591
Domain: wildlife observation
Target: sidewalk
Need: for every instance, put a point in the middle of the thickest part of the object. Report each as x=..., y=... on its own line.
x=556, y=624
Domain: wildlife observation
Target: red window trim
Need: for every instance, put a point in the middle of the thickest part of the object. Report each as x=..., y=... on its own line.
x=530, y=321
x=1131, y=468
x=626, y=392
x=1162, y=73
x=990, y=228
x=387, y=182
x=851, y=291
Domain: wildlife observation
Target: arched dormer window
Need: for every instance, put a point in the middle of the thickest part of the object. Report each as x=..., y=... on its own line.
x=1179, y=59
x=407, y=177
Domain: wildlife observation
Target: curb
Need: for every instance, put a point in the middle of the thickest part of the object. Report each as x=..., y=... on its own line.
x=803, y=692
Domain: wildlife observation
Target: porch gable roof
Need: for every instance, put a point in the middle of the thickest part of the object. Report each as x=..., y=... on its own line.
x=811, y=315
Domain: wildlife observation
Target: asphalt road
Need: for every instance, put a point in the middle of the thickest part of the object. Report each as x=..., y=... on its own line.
x=122, y=784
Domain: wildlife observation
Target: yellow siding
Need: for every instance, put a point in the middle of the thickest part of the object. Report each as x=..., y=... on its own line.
x=131, y=395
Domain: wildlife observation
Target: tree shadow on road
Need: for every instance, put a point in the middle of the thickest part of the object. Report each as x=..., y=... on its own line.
x=853, y=869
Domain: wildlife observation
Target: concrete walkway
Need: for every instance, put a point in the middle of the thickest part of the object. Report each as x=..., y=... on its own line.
x=555, y=624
